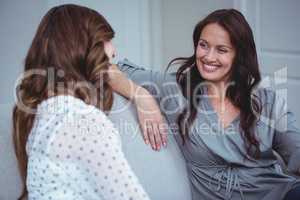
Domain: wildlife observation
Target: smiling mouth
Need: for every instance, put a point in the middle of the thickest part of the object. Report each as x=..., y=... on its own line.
x=210, y=68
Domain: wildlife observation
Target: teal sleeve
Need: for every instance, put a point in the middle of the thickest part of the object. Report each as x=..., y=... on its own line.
x=162, y=86
x=287, y=134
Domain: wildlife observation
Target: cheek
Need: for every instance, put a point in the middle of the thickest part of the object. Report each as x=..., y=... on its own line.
x=199, y=53
x=227, y=60
x=109, y=49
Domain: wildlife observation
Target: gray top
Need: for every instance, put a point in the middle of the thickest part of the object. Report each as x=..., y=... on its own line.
x=216, y=157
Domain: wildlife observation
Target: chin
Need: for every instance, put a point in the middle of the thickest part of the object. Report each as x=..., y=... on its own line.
x=209, y=76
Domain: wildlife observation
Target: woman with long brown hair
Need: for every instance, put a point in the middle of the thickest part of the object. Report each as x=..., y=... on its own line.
x=226, y=126
x=65, y=145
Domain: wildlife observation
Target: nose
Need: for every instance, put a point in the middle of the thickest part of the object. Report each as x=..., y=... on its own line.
x=210, y=55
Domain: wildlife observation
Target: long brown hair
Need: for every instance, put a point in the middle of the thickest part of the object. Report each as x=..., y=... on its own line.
x=68, y=47
x=245, y=74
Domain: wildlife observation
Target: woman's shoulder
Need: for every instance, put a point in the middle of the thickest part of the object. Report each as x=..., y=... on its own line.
x=273, y=102
x=269, y=95
x=69, y=112
x=145, y=75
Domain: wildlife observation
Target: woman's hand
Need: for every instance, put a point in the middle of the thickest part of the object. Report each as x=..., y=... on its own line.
x=151, y=121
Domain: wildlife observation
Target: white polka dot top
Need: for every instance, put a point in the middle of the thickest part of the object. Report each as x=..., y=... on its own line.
x=74, y=152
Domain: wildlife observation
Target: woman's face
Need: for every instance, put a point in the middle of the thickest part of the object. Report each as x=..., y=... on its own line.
x=109, y=50
x=214, y=54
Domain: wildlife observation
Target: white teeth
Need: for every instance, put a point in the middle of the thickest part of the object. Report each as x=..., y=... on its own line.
x=210, y=68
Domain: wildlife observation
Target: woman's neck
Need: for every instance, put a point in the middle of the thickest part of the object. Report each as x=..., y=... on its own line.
x=217, y=91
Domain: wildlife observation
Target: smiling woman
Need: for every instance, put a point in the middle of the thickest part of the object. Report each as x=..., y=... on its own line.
x=215, y=54
x=218, y=85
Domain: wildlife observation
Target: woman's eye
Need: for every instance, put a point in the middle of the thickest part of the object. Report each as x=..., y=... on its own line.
x=203, y=45
x=222, y=50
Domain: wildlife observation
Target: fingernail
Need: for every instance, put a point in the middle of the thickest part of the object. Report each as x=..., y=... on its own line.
x=147, y=142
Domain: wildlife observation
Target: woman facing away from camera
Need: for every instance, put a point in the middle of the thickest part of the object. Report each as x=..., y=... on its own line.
x=65, y=145
x=227, y=128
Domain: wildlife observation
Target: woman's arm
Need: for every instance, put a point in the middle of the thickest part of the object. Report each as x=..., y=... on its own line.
x=151, y=120
x=287, y=135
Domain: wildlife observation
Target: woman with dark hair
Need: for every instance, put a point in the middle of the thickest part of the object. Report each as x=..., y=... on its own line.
x=226, y=126
x=65, y=145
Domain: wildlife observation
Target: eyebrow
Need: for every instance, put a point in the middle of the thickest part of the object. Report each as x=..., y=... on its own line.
x=222, y=45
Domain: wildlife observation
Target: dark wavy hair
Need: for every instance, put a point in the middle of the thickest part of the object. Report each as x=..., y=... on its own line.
x=245, y=74
x=69, y=40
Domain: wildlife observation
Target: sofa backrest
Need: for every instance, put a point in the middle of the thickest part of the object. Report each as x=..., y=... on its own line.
x=162, y=174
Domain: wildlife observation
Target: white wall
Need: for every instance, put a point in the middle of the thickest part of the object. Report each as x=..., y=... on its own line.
x=178, y=19
x=18, y=22
x=276, y=28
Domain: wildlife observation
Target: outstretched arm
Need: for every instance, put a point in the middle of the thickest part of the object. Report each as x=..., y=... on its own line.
x=150, y=118
x=287, y=136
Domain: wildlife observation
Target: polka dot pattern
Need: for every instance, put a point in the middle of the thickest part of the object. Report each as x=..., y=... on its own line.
x=74, y=152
